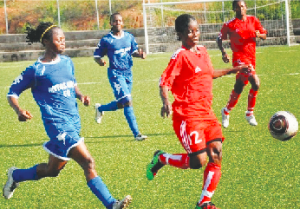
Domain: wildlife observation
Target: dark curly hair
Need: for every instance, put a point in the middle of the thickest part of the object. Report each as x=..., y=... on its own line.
x=34, y=35
x=234, y=3
x=182, y=23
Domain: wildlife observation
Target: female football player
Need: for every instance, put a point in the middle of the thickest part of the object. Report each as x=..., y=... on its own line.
x=119, y=46
x=189, y=76
x=243, y=31
x=54, y=88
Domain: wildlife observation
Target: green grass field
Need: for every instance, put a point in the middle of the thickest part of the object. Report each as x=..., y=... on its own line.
x=258, y=171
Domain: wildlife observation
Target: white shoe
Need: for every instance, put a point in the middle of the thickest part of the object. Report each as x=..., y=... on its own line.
x=123, y=203
x=225, y=118
x=98, y=114
x=251, y=120
x=11, y=185
x=140, y=137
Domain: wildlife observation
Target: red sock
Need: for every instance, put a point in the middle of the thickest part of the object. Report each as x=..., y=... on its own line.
x=176, y=160
x=251, y=100
x=212, y=175
x=233, y=99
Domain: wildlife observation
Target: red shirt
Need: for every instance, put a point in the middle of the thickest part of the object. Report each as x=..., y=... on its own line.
x=242, y=36
x=189, y=76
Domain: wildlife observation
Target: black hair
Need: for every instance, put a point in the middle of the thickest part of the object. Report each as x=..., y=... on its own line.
x=34, y=35
x=114, y=14
x=234, y=3
x=182, y=23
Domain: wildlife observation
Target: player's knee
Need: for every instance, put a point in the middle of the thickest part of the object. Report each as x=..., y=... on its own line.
x=198, y=161
x=239, y=86
x=124, y=102
x=215, y=152
x=89, y=163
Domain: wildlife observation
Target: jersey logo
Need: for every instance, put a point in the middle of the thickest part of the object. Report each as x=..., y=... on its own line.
x=117, y=87
x=62, y=137
x=198, y=69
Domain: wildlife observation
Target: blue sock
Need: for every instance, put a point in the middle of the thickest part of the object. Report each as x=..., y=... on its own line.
x=20, y=175
x=109, y=107
x=131, y=120
x=100, y=190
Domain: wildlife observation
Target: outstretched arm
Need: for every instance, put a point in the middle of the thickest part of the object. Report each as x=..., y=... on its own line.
x=100, y=61
x=23, y=115
x=86, y=100
x=166, y=109
x=225, y=56
x=222, y=72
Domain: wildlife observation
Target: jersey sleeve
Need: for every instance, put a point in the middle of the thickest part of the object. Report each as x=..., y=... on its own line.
x=101, y=49
x=173, y=69
x=259, y=27
x=24, y=81
x=224, y=32
x=134, y=45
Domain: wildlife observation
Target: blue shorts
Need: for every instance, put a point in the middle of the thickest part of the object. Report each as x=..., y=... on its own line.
x=63, y=137
x=121, y=83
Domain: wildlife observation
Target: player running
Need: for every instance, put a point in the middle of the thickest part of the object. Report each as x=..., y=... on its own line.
x=54, y=88
x=189, y=76
x=119, y=46
x=242, y=31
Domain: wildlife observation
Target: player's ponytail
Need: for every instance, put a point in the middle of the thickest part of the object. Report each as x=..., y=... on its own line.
x=43, y=31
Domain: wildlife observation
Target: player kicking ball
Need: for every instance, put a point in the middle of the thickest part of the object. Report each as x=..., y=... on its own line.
x=54, y=88
x=119, y=46
x=242, y=31
x=189, y=76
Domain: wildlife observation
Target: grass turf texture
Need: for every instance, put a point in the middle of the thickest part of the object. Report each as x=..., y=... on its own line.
x=257, y=171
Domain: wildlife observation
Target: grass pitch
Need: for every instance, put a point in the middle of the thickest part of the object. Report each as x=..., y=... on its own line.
x=257, y=171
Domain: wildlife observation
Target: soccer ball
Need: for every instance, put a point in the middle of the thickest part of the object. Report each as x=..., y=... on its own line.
x=283, y=125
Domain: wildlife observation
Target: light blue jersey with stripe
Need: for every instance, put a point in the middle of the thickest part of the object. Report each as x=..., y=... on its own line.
x=118, y=50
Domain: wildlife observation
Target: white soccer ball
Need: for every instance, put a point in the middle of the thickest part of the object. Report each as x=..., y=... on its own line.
x=283, y=125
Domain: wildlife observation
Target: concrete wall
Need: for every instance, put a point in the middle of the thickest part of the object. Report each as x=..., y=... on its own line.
x=83, y=43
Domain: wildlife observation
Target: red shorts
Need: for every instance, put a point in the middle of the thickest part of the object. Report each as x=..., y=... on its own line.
x=244, y=77
x=194, y=135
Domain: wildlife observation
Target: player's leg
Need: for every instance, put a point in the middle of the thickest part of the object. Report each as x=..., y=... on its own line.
x=15, y=175
x=233, y=99
x=129, y=112
x=83, y=157
x=190, y=135
x=255, y=83
x=212, y=172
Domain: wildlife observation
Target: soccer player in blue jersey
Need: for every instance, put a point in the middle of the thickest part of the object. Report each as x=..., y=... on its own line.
x=120, y=47
x=54, y=88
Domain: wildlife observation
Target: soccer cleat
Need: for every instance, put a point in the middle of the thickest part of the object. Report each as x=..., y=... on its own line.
x=140, y=137
x=251, y=120
x=99, y=114
x=154, y=166
x=206, y=205
x=11, y=185
x=225, y=118
x=123, y=203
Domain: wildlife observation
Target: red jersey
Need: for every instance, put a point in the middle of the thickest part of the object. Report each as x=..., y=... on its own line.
x=242, y=37
x=189, y=76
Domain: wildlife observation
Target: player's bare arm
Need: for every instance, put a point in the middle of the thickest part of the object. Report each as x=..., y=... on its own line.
x=225, y=56
x=139, y=53
x=259, y=35
x=241, y=68
x=100, y=61
x=86, y=100
x=23, y=115
x=166, y=109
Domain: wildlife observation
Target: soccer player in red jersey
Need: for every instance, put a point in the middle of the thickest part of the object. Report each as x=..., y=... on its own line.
x=189, y=76
x=242, y=31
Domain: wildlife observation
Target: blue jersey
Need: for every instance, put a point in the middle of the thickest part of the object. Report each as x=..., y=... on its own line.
x=53, y=88
x=118, y=50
